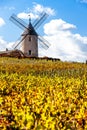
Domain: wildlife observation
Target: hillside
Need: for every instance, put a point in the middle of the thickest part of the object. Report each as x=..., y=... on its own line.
x=42, y=95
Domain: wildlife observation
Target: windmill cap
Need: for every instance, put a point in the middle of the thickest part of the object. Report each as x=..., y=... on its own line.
x=30, y=30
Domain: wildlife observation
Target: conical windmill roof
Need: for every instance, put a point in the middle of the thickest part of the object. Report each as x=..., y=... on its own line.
x=30, y=30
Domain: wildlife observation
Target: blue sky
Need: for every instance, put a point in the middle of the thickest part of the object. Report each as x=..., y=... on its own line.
x=65, y=28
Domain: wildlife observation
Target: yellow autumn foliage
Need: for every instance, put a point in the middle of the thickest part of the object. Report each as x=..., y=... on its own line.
x=42, y=95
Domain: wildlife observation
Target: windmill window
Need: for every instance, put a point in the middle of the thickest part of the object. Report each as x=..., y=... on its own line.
x=29, y=52
x=29, y=38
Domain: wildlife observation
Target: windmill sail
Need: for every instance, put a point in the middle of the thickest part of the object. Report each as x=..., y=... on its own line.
x=19, y=22
x=40, y=20
x=20, y=41
x=15, y=44
x=43, y=42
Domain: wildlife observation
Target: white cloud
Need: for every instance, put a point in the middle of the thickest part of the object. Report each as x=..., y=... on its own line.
x=39, y=8
x=34, y=13
x=4, y=44
x=26, y=15
x=64, y=44
x=2, y=22
x=58, y=25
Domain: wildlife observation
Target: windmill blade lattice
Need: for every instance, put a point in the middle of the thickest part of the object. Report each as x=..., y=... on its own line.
x=20, y=41
x=15, y=44
x=40, y=20
x=23, y=25
x=19, y=22
x=44, y=43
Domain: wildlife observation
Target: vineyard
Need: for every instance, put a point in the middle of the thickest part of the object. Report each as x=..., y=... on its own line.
x=42, y=95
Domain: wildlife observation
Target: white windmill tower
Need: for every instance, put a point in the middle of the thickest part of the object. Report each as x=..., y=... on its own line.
x=30, y=39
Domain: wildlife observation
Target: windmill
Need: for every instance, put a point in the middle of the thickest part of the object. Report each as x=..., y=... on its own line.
x=30, y=39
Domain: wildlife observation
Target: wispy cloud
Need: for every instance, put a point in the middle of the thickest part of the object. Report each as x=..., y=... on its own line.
x=40, y=8
x=83, y=1
x=35, y=11
x=11, y=8
x=2, y=22
x=7, y=8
